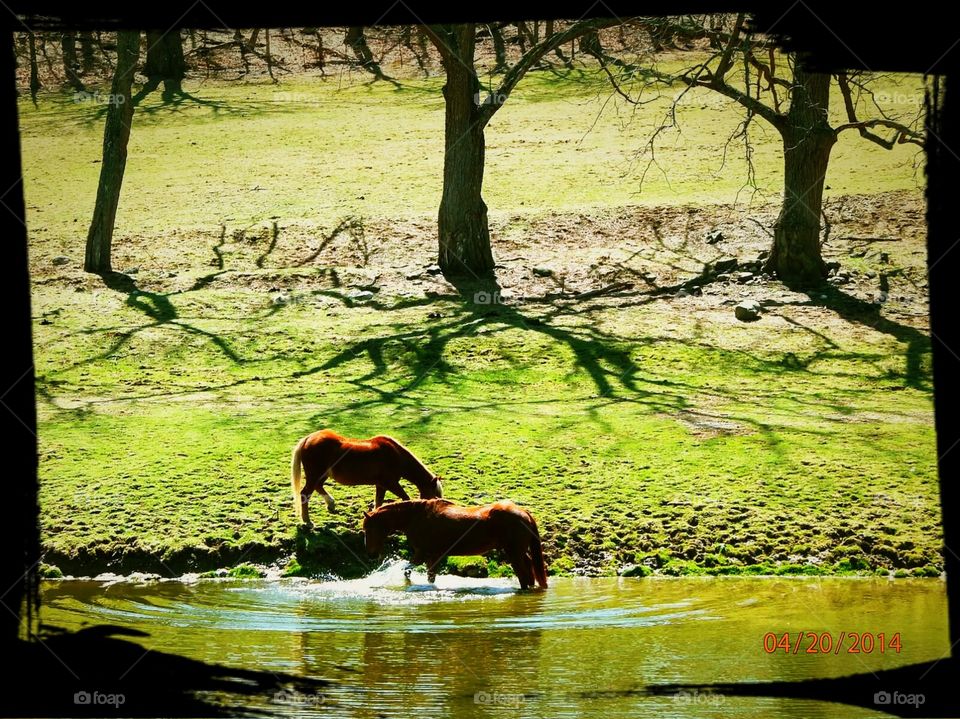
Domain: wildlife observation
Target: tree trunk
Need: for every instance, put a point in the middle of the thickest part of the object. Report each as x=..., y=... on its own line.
x=71, y=65
x=86, y=52
x=164, y=64
x=116, y=134
x=807, y=140
x=34, y=70
x=462, y=222
x=499, y=49
x=356, y=40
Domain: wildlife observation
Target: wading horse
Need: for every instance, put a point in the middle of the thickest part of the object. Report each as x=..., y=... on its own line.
x=438, y=528
x=380, y=460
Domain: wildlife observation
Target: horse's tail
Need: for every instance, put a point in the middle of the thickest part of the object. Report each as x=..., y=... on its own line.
x=295, y=483
x=536, y=555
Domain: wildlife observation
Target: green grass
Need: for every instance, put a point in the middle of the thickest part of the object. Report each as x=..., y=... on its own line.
x=318, y=150
x=167, y=416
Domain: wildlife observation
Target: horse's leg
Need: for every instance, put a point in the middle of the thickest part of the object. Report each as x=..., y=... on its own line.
x=521, y=567
x=309, y=486
x=327, y=497
x=394, y=486
x=381, y=493
x=432, y=569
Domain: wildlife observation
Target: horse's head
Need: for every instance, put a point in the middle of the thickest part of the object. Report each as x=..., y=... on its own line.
x=374, y=534
x=433, y=490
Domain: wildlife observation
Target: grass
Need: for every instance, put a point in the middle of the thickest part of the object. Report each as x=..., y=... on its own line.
x=637, y=432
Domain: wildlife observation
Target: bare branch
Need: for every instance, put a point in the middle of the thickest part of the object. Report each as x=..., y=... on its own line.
x=536, y=53
x=902, y=133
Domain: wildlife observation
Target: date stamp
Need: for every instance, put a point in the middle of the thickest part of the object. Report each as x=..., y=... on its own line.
x=831, y=643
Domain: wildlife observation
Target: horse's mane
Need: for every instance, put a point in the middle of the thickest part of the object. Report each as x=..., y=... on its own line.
x=405, y=508
x=413, y=464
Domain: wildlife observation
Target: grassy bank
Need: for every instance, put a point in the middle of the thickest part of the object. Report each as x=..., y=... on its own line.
x=644, y=427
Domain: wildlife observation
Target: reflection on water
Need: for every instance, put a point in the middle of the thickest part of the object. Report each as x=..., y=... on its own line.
x=482, y=648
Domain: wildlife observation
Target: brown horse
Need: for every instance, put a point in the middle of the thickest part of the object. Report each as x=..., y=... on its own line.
x=438, y=528
x=380, y=460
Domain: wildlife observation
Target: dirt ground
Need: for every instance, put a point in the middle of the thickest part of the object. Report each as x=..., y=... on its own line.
x=684, y=252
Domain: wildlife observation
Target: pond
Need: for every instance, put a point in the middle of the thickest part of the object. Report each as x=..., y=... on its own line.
x=481, y=648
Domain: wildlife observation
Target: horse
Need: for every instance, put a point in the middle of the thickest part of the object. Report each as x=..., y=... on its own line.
x=438, y=528
x=379, y=460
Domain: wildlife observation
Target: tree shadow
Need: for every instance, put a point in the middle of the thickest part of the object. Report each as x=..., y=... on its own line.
x=55, y=676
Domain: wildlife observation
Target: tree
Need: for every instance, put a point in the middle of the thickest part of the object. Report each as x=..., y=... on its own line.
x=463, y=231
x=71, y=63
x=116, y=135
x=164, y=64
x=791, y=98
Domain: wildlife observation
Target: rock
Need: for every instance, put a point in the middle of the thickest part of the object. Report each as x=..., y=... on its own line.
x=433, y=269
x=725, y=264
x=743, y=277
x=714, y=236
x=60, y=260
x=682, y=292
x=634, y=570
x=542, y=271
x=649, y=277
x=871, y=274
x=360, y=295
x=280, y=299
x=131, y=271
x=747, y=311
x=832, y=266
x=751, y=266
x=724, y=277
x=885, y=258
x=763, y=255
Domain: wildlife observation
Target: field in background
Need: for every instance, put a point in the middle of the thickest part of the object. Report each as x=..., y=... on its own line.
x=646, y=426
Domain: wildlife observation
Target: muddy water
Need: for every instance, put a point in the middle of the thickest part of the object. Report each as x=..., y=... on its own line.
x=481, y=648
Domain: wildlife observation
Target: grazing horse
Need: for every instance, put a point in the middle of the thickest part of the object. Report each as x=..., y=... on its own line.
x=438, y=528
x=380, y=460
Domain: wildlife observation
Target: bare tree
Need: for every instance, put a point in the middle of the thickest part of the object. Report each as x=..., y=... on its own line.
x=780, y=90
x=464, y=234
x=116, y=135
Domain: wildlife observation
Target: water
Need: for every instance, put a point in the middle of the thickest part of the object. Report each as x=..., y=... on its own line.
x=481, y=648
